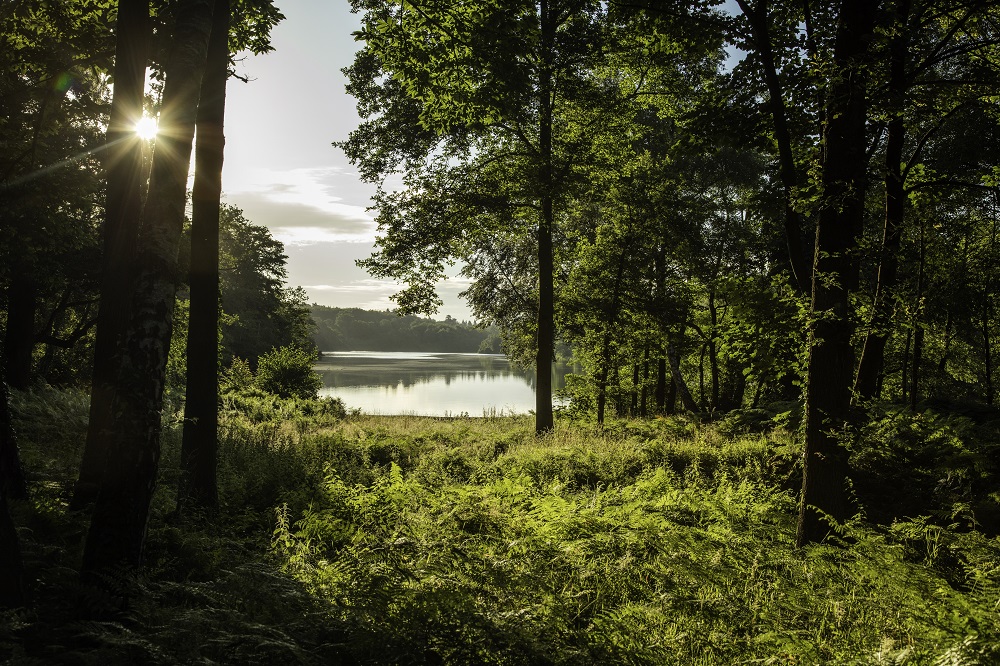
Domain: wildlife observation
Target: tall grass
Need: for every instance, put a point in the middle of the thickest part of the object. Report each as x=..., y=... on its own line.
x=346, y=538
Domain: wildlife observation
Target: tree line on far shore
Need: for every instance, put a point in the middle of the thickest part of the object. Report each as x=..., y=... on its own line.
x=354, y=329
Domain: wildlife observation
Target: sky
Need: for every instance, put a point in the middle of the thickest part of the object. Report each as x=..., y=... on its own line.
x=282, y=171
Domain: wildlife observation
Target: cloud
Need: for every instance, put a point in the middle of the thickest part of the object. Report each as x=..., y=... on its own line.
x=302, y=206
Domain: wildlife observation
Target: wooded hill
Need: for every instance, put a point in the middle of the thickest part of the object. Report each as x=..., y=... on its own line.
x=355, y=329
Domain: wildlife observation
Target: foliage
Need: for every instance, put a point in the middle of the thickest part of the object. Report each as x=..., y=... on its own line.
x=408, y=540
x=288, y=373
x=347, y=329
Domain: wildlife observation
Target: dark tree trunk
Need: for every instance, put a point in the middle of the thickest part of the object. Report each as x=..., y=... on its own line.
x=19, y=338
x=121, y=231
x=905, y=378
x=634, y=403
x=681, y=386
x=546, y=298
x=987, y=349
x=117, y=532
x=199, y=450
x=946, y=351
x=701, y=376
x=713, y=353
x=797, y=257
x=602, y=382
x=835, y=276
x=918, y=327
x=670, y=404
x=873, y=352
x=12, y=482
x=644, y=392
x=660, y=393
x=12, y=594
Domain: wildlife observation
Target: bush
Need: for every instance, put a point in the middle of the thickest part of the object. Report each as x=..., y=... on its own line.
x=288, y=373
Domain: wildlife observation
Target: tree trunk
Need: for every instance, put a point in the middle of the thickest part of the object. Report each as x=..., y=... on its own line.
x=121, y=231
x=12, y=484
x=987, y=350
x=12, y=481
x=546, y=300
x=602, y=383
x=117, y=532
x=644, y=393
x=758, y=18
x=199, y=449
x=903, y=385
x=713, y=353
x=918, y=328
x=660, y=393
x=873, y=351
x=682, y=389
x=19, y=338
x=835, y=276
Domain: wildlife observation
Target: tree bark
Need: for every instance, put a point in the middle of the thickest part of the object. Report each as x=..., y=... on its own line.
x=713, y=354
x=835, y=276
x=121, y=232
x=918, y=327
x=12, y=593
x=19, y=337
x=117, y=532
x=682, y=388
x=546, y=299
x=199, y=449
x=873, y=351
x=12, y=481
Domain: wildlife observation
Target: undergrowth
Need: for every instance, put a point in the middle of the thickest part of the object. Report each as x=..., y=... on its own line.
x=346, y=538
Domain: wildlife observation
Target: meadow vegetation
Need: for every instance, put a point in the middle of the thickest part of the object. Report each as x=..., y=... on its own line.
x=346, y=538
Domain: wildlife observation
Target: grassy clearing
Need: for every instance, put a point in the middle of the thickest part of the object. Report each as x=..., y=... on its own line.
x=408, y=540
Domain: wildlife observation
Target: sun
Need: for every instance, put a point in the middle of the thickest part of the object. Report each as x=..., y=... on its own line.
x=145, y=128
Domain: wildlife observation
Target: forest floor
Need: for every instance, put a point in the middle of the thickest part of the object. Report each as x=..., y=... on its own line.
x=403, y=540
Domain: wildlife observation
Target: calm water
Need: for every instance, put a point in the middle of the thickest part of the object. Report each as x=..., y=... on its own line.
x=428, y=384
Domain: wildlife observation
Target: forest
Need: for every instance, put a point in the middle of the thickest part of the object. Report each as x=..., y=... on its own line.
x=764, y=232
x=344, y=329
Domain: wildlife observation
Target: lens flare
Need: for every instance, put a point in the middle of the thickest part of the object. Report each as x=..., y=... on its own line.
x=146, y=128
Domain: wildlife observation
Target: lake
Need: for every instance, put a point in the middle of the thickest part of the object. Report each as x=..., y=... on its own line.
x=429, y=384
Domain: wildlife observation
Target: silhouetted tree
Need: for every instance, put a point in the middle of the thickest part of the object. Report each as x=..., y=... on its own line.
x=118, y=528
x=199, y=449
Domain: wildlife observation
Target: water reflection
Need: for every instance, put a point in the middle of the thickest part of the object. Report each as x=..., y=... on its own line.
x=428, y=383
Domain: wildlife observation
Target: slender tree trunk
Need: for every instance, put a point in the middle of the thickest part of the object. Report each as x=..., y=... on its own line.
x=12, y=593
x=873, y=352
x=118, y=528
x=602, y=383
x=199, y=450
x=713, y=353
x=904, y=379
x=701, y=376
x=673, y=357
x=546, y=298
x=835, y=276
x=918, y=327
x=19, y=338
x=987, y=348
x=634, y=404
x=12, y=481
x=644, y=393
x=121, y=231
x=660, y=393
x=946, y=351
x=797, y=257
x=670, y=404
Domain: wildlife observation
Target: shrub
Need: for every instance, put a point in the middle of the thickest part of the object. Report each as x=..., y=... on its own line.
x=288, y=372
